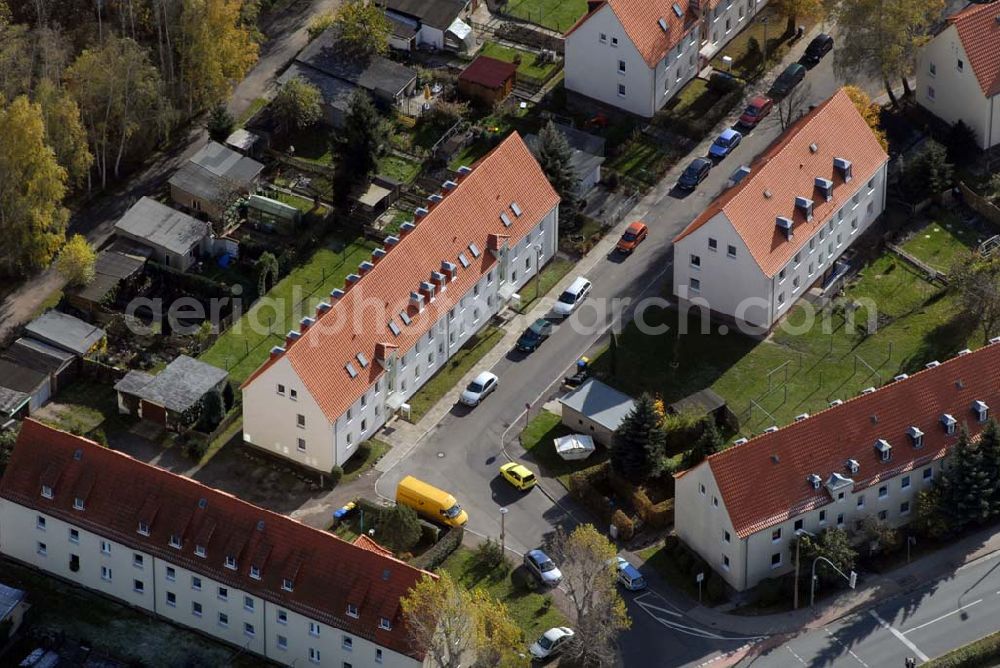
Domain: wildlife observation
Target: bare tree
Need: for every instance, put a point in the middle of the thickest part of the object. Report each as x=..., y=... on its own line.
x=794, y=105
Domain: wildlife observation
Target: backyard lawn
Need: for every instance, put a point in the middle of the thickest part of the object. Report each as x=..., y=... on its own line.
x=398, y=168
x=643, y=158
x=453, y=370
x=84, y=407
x=557, y=15
x=795, y=372
x=527, y=67
x=245, y=345
x=537, y=439
x=533, y=612
x=941, y=241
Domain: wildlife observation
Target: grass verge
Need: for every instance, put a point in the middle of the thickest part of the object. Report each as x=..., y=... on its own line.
x=983, y=653
x=551, y=274
x=453, y=370
x=533, y=612
x=537, y=439
x=528, y=65
x=245, y=346
x=364, y=459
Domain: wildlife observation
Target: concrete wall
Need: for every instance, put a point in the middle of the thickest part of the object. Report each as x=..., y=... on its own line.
x=270, y=420
x=582, y=424
x=225, y=611
x=952, y=94
x=162, y=255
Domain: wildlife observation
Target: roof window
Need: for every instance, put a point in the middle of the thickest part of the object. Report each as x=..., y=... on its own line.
x=474, y=249
x=405, y=317
x=678, y=12
x=815, y=480
x=394, y=328
x=463, y=260
x=949, y=423
x=505, y=218
x=351, y=371
x=516, y=208
x=916, y=436
x=853, y=466
x=362, y=360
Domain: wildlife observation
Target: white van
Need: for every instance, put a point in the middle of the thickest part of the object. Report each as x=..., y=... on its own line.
x=572, y=297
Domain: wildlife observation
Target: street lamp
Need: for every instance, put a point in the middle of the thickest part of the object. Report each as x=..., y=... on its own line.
x=538, y=270
x=852, y=579
x=764, y=21
x=798, y=534
x=503, y=514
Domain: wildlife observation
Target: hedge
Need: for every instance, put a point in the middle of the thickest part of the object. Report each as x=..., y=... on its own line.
x=435, y=556
x=983, y=653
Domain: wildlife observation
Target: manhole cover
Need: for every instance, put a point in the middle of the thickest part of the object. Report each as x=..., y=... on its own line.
x=440, y=454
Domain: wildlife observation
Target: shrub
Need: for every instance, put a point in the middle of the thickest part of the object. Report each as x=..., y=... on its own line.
x=523, y=580
x=715, y=588
x=489, y=554
x=581, y=486
x=722, y=82
x=429, y=533
x=643, y=506
x=435, y=556
x=984, y=652
x=661, y=514
x=624, y=525
x=770, y=592
x=195, y=447
x=336, y=473
x=398, y=527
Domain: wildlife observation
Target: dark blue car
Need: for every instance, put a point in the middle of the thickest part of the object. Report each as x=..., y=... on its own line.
x=694, y=174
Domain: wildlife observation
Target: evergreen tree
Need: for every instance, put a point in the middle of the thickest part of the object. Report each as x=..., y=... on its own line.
x=639, y=441
x=966, y=488
x=358, y=145
x=989, y=446
x=211, y=412
x=708, y=443
x=220, y=123
x=398, y=527
x=555, y=156
x=228, y=396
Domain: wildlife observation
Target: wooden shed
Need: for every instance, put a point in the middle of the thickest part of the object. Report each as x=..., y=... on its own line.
x=487, y=80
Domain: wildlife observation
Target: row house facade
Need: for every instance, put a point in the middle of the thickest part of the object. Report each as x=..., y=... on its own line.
x=201, y=558
x=633, y=54
x=869, y=456
x=722, y=20
x=343, y=373
x=759, y=246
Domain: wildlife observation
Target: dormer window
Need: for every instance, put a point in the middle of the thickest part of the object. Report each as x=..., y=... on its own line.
x=785, y=225
x=143, y=528
x=949, y=423
x=47, y=491
x=78, y=503
x=286, y=584
x=175, y=541
x=815, y=481
x=844, y=168
x=199, y=551
x=385, y=623
x=981, y=410
x=825, y=187
x=805, y=205
x=231, y=562
x=853, y=466
x=352, y=610
x=884, y=449
x=255, y=572
x=916, y=437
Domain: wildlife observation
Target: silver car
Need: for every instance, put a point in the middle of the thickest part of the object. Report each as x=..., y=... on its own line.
x=543, y=568
x=479, y=388
x=552, y=642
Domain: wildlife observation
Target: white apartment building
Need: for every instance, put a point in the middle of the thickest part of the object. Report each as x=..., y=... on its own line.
x=633, y=54
x=722, y=20
x=868, y=456
x=763, y=243
x=201, y=558
x=958, y=72
x=342, y=374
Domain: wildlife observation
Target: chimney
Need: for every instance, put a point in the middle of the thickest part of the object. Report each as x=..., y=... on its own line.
x=306, y=323
x=291, y=338
x=785, y=225
x=391, y=241
x=277, y=352
x=365, y=267
x=322, y=308
x=406, y=227
x=336, y=294
x=378, y=254
x=825, y=187
x=844, y=168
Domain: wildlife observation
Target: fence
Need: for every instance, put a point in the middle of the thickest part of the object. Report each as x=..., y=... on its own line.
x=980, y=204
x=511, y=30
x=100, y=372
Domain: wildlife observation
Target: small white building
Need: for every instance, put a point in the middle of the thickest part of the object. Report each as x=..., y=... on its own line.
x=633, y=54
x=870, y=456
x=958, y=72
x=596, y=410
x=201, y=558
x=347, y=368
x=439, y=24
x=170, y=237
x=763, y=243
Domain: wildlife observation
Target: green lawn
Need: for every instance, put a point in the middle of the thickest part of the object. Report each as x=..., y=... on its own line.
x=747, y=65
x=453, y=370
x=83, y=407
x=399, y=168
x=527, y=67
x=533, y=612
x=537, y=439
x=642, y=158
x=246, y=345
x=303, y=204
x=557, y=15
x=470, y=153
x=796, y=372
x=254, y=107
x=941, y=241
x=312, y=144
x=551, y=274
x=364, y=459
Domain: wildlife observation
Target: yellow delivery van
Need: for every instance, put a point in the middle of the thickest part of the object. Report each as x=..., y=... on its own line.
x=432, y=503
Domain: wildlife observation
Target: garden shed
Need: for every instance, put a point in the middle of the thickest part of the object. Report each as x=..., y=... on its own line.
x=487, y=80
x=171, y=394
x=596, y=409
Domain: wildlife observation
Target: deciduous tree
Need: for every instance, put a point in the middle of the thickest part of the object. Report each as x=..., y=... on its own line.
x=794, y=105
x=975, y=278
x=833, y=544
x=32, y=187
x=799, y=9
x=881, y=39
x=64, y=131
x=586, y=560
x=362, y=28
x=216, y=50
x=638, y=441
x=15, y=59
x=297, y=105
x=870, y=111
x=931, y=520
x=76, y=261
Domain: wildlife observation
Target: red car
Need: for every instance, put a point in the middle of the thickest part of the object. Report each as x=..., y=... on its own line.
x=633, y=236
x=758, y=108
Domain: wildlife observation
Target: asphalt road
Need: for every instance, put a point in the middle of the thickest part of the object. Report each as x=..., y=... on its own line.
x=929, y=622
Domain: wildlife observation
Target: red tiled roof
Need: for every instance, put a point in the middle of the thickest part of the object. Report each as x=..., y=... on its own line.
x=764, y=481
x=488, y=72
x=324, y=568
x=788, y=169
x=358, y=321
x=979, y=30
x=366, y=543
x=641, y=21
